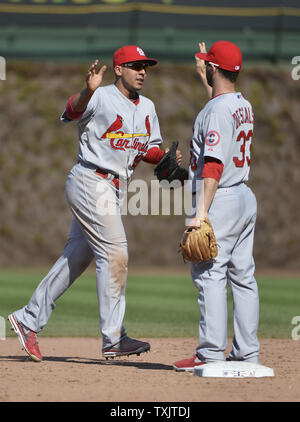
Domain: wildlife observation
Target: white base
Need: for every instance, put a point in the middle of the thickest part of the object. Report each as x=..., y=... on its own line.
x=233, y=369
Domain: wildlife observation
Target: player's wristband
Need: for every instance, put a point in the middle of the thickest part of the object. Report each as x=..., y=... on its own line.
x=71, y=113
x=154, y=155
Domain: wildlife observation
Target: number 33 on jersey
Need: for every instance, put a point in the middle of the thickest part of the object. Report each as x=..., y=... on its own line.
x=224, y=130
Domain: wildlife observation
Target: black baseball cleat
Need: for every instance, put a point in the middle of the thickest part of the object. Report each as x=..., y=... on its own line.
x=126, y=346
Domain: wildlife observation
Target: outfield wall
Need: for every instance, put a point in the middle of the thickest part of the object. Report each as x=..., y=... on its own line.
x=81, y=29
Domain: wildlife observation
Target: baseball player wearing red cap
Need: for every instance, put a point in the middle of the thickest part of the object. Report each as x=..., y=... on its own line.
x=219, y=166
x=117, y=128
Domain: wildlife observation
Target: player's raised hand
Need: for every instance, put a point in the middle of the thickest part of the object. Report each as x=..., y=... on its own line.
x=93, y=81
x=200, y=64
x=94, y=76
x=201, y=69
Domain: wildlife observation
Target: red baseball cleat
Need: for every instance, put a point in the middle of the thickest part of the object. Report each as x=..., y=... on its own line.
x=28, y=340
x=188, y=365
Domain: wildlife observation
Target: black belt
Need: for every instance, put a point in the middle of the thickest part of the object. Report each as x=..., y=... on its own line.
x=105, y=174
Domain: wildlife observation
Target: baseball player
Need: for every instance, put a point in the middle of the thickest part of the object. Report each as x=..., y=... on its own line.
x=219, y=167
x=117, y=128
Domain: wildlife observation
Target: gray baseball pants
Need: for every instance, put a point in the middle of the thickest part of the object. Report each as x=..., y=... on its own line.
x=233, y=216
x=96, y=232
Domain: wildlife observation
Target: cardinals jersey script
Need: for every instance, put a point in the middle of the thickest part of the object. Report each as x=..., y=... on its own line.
x=224, y=130
x=116, y=133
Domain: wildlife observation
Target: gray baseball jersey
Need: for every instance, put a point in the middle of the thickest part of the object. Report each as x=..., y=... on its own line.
x=114, y=133
x=223, y=130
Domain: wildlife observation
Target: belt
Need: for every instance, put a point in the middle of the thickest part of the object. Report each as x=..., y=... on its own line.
x=106, y=175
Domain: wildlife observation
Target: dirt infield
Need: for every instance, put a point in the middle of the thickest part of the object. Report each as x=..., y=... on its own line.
x=73, y=370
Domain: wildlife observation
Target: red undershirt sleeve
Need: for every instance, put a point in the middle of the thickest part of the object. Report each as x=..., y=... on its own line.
x=71, y=113
x=212, y=168
x=154, y=155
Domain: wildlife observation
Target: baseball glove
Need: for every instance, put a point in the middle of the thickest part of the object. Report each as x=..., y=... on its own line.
x=198, y=243
x=168, y=167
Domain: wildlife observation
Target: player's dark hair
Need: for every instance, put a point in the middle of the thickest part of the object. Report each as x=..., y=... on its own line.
x=231, y=76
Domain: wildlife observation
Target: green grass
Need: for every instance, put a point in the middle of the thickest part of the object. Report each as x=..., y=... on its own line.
x=157, y=305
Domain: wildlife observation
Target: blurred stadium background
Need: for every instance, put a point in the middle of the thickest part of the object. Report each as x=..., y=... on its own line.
x=47, y=46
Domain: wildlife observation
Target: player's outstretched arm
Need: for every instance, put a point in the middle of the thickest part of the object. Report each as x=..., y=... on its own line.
x=93, y=81
x=201, y=70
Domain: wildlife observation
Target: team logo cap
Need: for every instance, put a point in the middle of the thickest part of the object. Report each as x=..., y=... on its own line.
x=131, y=53
x=224, y=54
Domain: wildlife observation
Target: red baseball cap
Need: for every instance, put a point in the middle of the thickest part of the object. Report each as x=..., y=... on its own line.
x=225, y=54
x=131, y=53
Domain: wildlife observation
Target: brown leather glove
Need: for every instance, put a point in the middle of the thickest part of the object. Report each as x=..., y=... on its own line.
x=198, y=243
